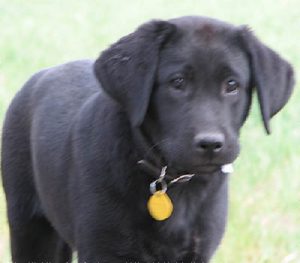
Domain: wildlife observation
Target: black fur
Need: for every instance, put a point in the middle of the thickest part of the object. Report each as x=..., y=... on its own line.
x=71, y=145
x=272, y=76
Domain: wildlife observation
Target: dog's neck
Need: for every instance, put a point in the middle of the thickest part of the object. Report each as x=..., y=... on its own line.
x=148, y=151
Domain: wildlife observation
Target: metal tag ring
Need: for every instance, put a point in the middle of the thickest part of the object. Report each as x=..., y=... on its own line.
x=153, y=186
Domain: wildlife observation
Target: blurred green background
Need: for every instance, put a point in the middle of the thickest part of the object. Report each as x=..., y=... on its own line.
x=264, y=219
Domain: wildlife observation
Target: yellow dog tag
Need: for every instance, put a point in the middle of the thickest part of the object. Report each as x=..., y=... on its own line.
x=160, y=206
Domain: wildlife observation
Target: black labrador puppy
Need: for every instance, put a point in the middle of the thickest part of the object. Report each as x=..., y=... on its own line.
x=83, y=141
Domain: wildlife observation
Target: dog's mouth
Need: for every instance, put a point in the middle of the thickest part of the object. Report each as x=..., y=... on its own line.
x=171, y=172
x=197, y=170
x=155, y=161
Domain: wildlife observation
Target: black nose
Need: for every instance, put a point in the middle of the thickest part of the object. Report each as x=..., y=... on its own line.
x=209, y=142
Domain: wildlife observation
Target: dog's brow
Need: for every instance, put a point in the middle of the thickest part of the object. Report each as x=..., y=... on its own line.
x=226, y=70
x=170, y=69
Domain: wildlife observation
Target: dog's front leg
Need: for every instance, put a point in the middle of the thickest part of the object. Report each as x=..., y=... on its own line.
x=104, y=239
x=102, y=252
x=84, y=257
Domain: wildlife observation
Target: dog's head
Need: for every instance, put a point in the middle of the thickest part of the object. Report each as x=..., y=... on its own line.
x=188, y=83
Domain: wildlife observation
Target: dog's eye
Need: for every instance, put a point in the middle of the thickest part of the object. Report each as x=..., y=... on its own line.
x=231, y=87
x=178, y=83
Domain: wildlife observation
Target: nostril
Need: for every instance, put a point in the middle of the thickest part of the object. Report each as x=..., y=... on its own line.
x=218, y=146
x=206, y=145
x=203, y=146
x=209, y=142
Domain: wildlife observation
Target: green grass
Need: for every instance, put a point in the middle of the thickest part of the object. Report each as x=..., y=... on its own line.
x=264, y=218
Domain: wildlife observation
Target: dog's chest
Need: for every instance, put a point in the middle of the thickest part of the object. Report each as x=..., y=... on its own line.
x=177, y=239
x=177, y=242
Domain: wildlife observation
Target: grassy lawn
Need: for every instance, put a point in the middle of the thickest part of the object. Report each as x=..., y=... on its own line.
x=264, y=219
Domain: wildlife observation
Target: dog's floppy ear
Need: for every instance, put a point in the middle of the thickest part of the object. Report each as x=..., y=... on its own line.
x=127, y=69
x=271, y=75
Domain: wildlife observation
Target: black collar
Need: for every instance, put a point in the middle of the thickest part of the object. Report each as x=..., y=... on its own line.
x=150, y=156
